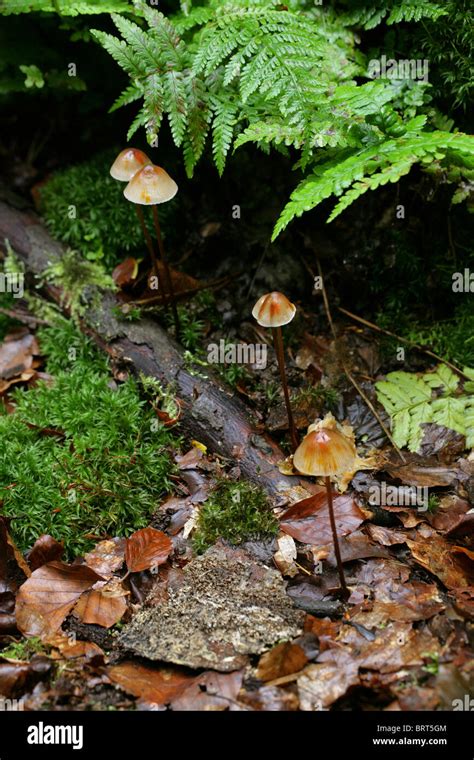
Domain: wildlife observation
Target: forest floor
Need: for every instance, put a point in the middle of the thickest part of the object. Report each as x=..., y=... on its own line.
x=224, y=601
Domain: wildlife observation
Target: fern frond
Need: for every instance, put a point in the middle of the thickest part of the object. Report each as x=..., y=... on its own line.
x=367, y=169
x=410, y=402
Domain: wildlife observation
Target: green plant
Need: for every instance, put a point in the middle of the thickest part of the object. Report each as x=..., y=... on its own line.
x=283, y=76
x=191, y=328
x=236, y=512
x=24, y=649
x=319, y=395
x=81, y=458
x=64, y=7
x=76, y=276
x=85, y=208
x=435, y=397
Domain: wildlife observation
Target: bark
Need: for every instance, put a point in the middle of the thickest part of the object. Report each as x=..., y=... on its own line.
x=211, y=413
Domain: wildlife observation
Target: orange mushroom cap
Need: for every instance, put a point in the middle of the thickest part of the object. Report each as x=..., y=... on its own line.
x=273, y=310
x=324, y=451
x=127, y=163
x=150, y=185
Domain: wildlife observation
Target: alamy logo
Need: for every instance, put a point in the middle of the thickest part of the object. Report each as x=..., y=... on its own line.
x=463, y=282
x=237, y=353
x=12, y=282
x=382, y=495
x=11, y=705
x=44, y=734
x=466, y=704
x=390, y=68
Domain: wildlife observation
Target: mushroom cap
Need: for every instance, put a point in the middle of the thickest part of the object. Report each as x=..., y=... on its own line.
x=325, y=451
x=273, y=310
x=150, y=185
x=127, y=163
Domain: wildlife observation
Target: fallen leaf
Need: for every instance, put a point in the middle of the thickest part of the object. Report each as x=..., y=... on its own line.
x=16, y=353
x=157, y=685
x=147, y=548
x=285, y=556
x=282, y=660
x=320, y=685
x=308, y=520
x=464, y=601
x=441, y=558
x=103, y=605
x=125, y=272
x=107, y=556
x=45, y=549
x=9, y=550
x=211, y=691
x=47, y=597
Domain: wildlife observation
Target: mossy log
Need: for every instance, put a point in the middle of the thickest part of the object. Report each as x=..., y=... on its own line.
x=210, y=412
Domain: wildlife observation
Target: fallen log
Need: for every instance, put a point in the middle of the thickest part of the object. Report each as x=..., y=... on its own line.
x=210, y=412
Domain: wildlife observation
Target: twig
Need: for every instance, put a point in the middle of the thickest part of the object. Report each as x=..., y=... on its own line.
x=211, y=285
x=27, y=319
x=416, y=346
x=349, y=375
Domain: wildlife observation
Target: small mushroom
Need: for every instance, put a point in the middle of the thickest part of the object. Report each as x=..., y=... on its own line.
x=275, y=310
x=123, y=169
x=150, y=186
x=325, y=452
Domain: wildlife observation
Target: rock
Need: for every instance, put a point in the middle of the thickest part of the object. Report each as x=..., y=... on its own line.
x=227, y=607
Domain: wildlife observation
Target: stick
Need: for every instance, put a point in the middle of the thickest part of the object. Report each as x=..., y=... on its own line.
x=426, y=351
x=349, y=375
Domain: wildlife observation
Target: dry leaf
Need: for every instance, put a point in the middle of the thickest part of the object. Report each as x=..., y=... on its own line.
x=103, y=605
x=107, y=556
x=47, y=597
x=147, y=548
x=45, y=549
x=308, y=520
x=157, y=685
x=282, y=660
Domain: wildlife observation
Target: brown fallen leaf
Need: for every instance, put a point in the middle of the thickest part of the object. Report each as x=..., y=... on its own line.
x=282, y=660
x=464, y=601
x=16, y=353
x=399, y=602
x=386, y=536
x=147, y=548
x=211, y=691
x=103, y=605
x=107, y=556
x=126, y=272
x=9, y=551
x=355, y=546
x=454, y=566
x=452, y=515
x=324, y=629
x=308, y=520
x=320, y=685
x=157, y=685
x=13, y=676
x=45, y=549
x=284, y=557
x=48, y=596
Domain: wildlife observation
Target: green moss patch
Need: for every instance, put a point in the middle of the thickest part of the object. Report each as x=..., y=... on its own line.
x=237, y=512
x=80, y=458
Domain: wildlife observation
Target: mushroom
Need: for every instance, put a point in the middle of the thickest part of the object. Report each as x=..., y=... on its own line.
x=125, y=166
x=326, y=451
x=150, y=186
x=275, y=310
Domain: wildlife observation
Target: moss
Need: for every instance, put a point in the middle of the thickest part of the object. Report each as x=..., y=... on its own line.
x=235, y=511
x=81, y=458
x=85, y=208
x=75, y=276
x=24, y=649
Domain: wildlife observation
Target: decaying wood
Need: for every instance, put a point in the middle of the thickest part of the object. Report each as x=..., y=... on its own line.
x=210, y=412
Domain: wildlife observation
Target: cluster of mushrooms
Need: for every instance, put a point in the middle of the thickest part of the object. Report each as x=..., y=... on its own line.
x=325, y=451
x=149, y=185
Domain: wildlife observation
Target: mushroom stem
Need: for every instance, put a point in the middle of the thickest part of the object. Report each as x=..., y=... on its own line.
x=337, y=551
x=151, y=251
x=278, y=343
x=169, y=282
